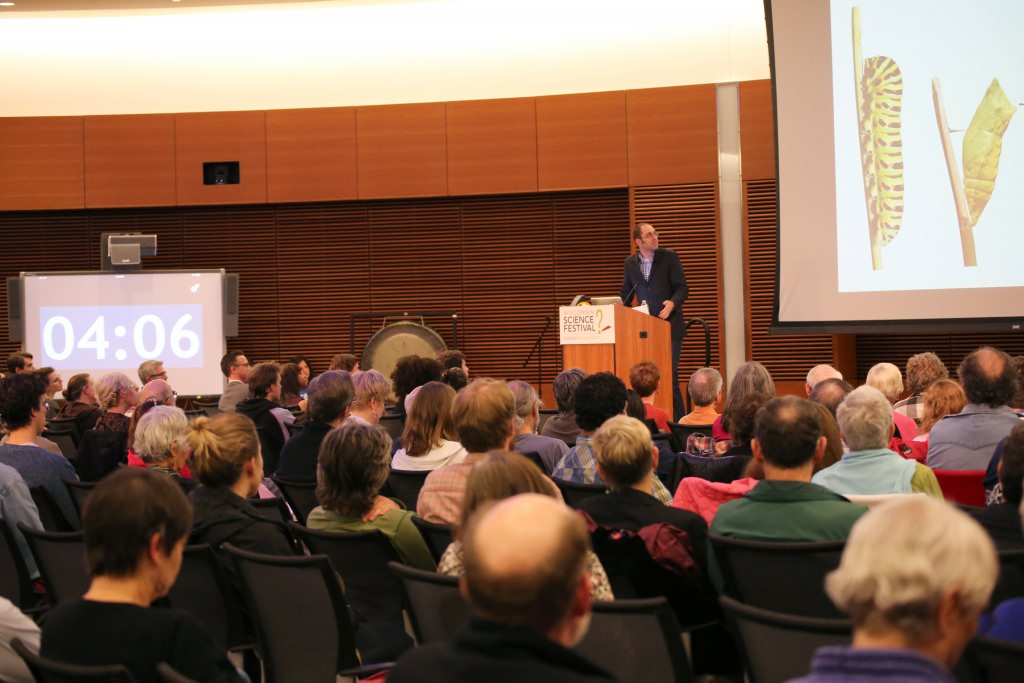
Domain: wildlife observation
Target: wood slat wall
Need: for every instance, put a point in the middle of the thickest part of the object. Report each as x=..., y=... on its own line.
x=503, y=263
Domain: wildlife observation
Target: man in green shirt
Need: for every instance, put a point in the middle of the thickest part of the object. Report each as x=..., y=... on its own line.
x=786, y=506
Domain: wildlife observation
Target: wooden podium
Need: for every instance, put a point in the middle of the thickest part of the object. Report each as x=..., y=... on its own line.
x=634, y=337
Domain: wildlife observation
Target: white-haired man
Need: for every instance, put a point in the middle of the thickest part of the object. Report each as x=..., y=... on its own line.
x=870, y=468
x=820, y=373
x=914, y=577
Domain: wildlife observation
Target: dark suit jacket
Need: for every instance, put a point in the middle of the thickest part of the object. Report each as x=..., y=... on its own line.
x=668, y=281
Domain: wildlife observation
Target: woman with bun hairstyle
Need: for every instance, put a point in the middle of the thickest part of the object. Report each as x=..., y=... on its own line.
x=227, y=463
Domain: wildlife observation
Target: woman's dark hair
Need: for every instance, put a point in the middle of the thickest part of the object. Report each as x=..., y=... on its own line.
x=411, y=372
x=291, y=384
x=455, y=378
x=344, y=361
x=261, y=378
x=738, y=418
x=124, y=511
x=297, y=360
x=76, y=385
x=635, y=406
x=353, y=467
x=429, y=422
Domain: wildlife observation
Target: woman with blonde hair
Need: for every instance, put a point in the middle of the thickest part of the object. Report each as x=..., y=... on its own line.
x=227, y=463
x=118, y=396
x=428, y=438
x=500, y=475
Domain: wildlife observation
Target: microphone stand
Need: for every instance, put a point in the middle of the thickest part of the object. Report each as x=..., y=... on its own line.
x=539, y=350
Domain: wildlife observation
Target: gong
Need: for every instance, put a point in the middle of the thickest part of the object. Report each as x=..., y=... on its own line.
x=399, y=339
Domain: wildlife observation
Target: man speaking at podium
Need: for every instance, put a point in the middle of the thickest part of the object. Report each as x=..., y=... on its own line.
x=656, y=277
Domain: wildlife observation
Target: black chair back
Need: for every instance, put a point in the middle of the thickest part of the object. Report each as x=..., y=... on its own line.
x=574, y=493
x=682, y=433
x=405, y=485
x=1010, y=583
x=630, y=636
x=194, y=413
x=209, y=407
x=437, y=536
x=100, y=452
x=543, y=416
x=362, y=561
x=301, y=620
x=273, y=509
x=301, y=496
x=779, y=647
x=167, y=674
x=436, y=608
x=65, y=424
x=989, y=660
x=294, y=428
x=393, y=425
x=61, y=561
x=65, y=440
x=779, y=577
x=535, y=458
x=204, y=590
x=49, y=671
x=79, y=491
x=49, y=514
x=15, y=584
x=668, y=439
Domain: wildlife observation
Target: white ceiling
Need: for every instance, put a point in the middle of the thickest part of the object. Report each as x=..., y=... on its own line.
x=67, y=6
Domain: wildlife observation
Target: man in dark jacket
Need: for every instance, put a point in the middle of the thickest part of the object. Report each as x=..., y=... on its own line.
x=330, y=396
x=530, y=595
x=263, y=409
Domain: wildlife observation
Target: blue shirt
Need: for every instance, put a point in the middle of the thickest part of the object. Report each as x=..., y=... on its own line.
x=39, y=467
x=838, y=664
x=966, y=441
x=580, y=467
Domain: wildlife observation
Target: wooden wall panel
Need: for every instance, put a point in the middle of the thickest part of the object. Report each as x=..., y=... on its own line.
x=41, y=163
x=221, y=136
x=673, y=135
x=757, y=130
x=686, y=218
x=951, y=348
x=581, y=141
x=311, y=155
x=402, y=151
x=129, y=161
x=492, y=146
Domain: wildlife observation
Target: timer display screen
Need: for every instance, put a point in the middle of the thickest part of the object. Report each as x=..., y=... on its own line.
x=99, y=322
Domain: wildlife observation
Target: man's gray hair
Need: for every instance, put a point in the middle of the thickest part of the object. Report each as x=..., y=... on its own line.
x=157, y=430
x=111, y=387
x=564, y=388
x=820, y=373
x=704, y=386
x=903, y=557
x=526, y=400
x=865, y=419
x=148, y=370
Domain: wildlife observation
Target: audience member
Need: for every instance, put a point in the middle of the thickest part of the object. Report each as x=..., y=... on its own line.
x=150, y=370
x=54, y=385
x=527, y=585
x=161, y=443
x=372, y=390
x=344, y=361
x=830, y=393
x=923, y=370
x=943, y=397
x=453, y=358
x=117, y=396
x=411, y=372
x=563, y=426
x=14, y=624
x=264, y=409
x=870, y=468
x=23, y=411
x=227, y=463
x=20, y=363
x=156, y=393
x=818, y=374
x=330, y=395
x=291, y=385
x=751, y=377
x=886, y=378
x=705, y=390
x=305, y=369
x=644, y=377
x=1017, y=402
x=666, y=463
x=80, y=397
x=501, y=475
x=1002, y=520
x=136, y=523
x=484, y=416
x=967, y=440
x=738, y=420
x=456, y=378
x=786, y=506
x=235, y=367
x=914, y=577
x=428, y=437
x=598, y=398
x=16, y=505
x=353, y=469
x=527, y=439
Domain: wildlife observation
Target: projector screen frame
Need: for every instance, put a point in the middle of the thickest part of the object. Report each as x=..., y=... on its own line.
x=1008, y=324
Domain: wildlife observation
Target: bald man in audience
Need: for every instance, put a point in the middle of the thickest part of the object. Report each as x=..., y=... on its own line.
x=484, y=415
x=158, y=391
x=705, y=390
x=819, y=373
x=530, y=596
x=830, y=393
